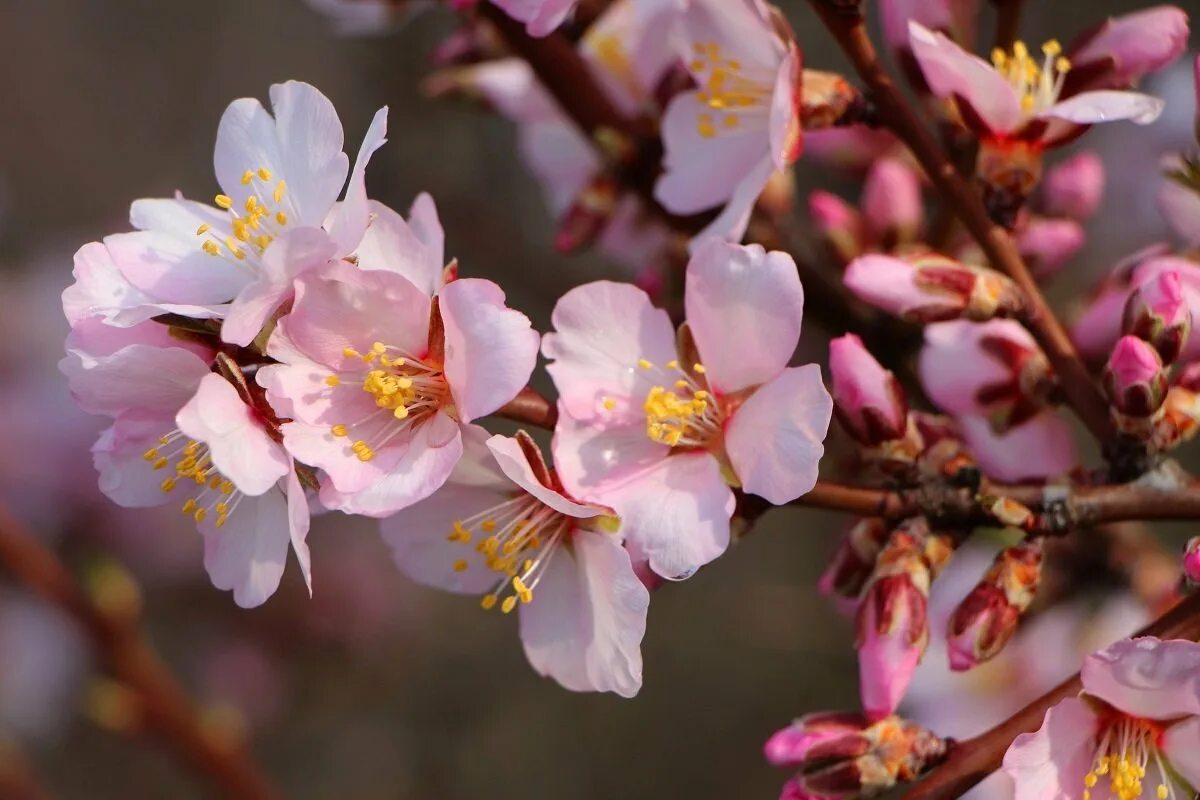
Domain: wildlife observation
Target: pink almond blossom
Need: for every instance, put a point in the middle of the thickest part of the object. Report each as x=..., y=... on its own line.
x=378, y=380
x=1019, y=96
x=1122, y=50
x=659, y=431
x=1040, y=448
x=868, y=399
x=277, y=215
x=1133, y=732
x=503, y=527
x=182, y=433
x=725, y=138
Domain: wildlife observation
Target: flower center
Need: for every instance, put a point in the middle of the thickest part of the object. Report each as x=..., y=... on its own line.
x=725, y=88
x=681, y=413
x=404, y=388
x=214, y=493
x=518, y=540
x=1126, y=748
x=255, y=226
x=1037, y=84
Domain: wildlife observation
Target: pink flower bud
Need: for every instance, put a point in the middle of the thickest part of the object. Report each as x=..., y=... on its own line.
x=1048, y=243
x=893, y=626
x=869, y=400
x=1158, y=312
x=891, y=202
x=838, y=223
x=791, y=745
x=1075, y=187
x=985, y=621
x=930, y=287
x=854, y=560
x=1191, y=560
x=1134, y=378
x=1120, y=51
x=827, y=99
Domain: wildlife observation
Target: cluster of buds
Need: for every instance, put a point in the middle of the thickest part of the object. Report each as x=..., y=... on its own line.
x=841, y=755
x=854, y=560
x=985, y=621
x=893, y=620
x=888, y=219
x=928, y=287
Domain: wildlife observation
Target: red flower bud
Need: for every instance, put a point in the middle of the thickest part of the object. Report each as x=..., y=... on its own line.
x=985, y=621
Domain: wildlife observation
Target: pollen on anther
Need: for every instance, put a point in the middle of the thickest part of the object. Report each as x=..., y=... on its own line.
x=264, y=173
x=281, y=218
x=488, y=602
x=460, y=565
x=509, y=604
x=698, y=369
x=609, y=404
x=332, y=380
x=247, y=176
x=224, y=201
x=644, y=364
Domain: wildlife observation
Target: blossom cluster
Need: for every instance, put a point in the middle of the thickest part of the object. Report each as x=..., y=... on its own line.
x=296, y=347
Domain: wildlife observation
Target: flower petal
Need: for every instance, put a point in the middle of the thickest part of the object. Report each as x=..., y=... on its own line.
x=248, y=553
x=125, y=476
x=676, y=513
x=239, y=446
x=310, y=147
x=585, y=625
x=590, y=458
x=491, y=349
x=413, y=248
x=349, y=220
x=512, y=461
x=299, y=518
x=1106, y=105
x=744, y=307
x=1040, y=448
x=1181, y=746
x=1051, y=764
x=952, y=72
x=1146, y=677
x=601, y=331
x=774, y=439
x=136, y=377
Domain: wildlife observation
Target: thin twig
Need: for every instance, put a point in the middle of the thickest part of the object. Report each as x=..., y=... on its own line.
x=1080, y=390
x=165, y=706
x=973, y=760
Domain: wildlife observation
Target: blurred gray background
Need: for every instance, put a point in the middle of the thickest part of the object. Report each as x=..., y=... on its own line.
x=378, y=688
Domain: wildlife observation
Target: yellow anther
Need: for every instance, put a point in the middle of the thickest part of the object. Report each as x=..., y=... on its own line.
x=698, y=369
x=644, y=364
x=460, y=565
x=247, y=176
x=240, y=230
x=700, y=395
x=1162, y=792
x=609, y=404
x=488, y=601
x=281, y=218
x=488, y=525
x=350, y=352
x=332, y=380
x=1052, y=47
x=151, y=454
x=264, y=173
x=400, y=412
x=189, y=506
x=681, y=384
x=705, y=126
x=519, y=585
x=210, y=247
x=263, y=240
x=222, y=508
x=731, y=121
x=221, y=520
x=1020, y=51
x=167, y=485
x=159, y=463
x=280, y=188
x=1090, y=780
x=224, y=201
x=1062, y=64
x=227, y=487
x=672, y=364
x=203, y=229
x=509, y=604
x=200, y=514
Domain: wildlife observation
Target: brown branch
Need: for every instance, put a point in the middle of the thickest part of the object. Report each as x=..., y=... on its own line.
x=1081, y=392
x=166, y=709
x=531, y=408
x=1063, y=508
x=974, y=759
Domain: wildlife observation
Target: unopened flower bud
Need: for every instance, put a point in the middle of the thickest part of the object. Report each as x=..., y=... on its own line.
x=790, y=746
x=891, y=202
x=868, y=399
x=893, y=626
x=1075, y=187
x=985, y=621
x=1135, y=380
x=587, y=216
x=1047, y=244
x=865, y=759
x=827, y=99
x=854, y=560
x=931, y=288
x=838, y=224
x=1158, y=312
x=1191, y=560
x=1119, y=52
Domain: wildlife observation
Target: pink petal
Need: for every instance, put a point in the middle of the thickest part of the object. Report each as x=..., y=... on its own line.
x=891, y=198
x=676, y=513
x=344, y=307
x=310, y=148
x=585, y=625
x=590, y=458
x=954, y=366
x=248, y=553
x=349, y=220
x=513, y=463
x=416, y=467
x=125, y=476
x=136, y=377
x=1106, y=105
x=1049, y=243
x=394, y=245
x=1075, y=187
x=733, y=220
x=774, y=438
x=491, y=349
x=238, y=444
x=952, y=72
x=743, y=29
x=295, y=252
x=602, y=329
x=562, y=160
x=1147, y=677
x=298, y=524
x=1181, y=746
x=1041, y=448
x=1050, y=764
x=784, y=126
x=744, y=307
